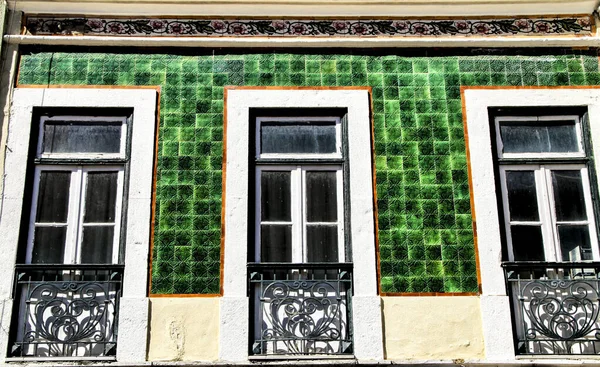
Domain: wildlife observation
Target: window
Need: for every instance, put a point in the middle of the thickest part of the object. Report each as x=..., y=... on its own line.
x=299, y=205
x=548, y=219
x=68, y=212
x=76, y=202
x=549, y=138
x=547, y=203
x=299, y=201
x=285, y=148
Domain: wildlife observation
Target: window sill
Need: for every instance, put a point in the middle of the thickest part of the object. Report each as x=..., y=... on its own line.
x=60, y=359
x=291, y=357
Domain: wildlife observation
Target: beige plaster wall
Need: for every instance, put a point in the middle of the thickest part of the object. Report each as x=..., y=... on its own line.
x=426, y=328
x=184, y=329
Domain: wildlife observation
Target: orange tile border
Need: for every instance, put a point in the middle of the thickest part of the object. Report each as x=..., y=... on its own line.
x=185, y=295
x=430, y=294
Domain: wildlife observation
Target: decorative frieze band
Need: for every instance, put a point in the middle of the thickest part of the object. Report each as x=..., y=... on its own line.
x=44, y=25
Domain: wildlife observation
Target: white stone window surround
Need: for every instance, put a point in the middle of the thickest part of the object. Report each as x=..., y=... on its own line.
x=366, y=317
x=495, y=303
x=133, y=308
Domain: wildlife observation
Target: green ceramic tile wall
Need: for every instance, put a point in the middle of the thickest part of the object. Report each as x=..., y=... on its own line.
x=425, y=230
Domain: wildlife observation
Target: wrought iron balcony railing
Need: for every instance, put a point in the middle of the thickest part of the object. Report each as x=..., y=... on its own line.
x=66, y=311
x=555, y=307
x=301, y=309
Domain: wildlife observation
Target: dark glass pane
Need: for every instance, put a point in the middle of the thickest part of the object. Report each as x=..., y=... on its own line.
x=522, y=197
x=527, y=243
x=97, y=244
x=49, y=245
x=538, y=137
x=100, y=197
x=275, y=195
x=53, y=197
x=81, y=137
x=575, y=243
x=321, y=196
x=322, y=243
x=276, y=243
x=298, y=137
x=568, y=195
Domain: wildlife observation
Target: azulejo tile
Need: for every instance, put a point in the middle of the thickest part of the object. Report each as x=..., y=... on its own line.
x=425, y=223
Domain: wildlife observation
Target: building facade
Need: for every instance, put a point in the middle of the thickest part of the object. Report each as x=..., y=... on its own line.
x=241, y=182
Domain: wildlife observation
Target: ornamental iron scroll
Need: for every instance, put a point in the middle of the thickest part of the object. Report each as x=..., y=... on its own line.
x=206, y=27
x=67, y=311
x=556, y=307
x=301, y=309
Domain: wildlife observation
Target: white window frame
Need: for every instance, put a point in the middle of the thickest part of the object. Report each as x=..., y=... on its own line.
x=338, y=137
x=495, y=304
x=499, y=145
x=298, y=209
x=547, y=209
x=82, y=120
x=366, y=304
x=76, y=209
x=134, y=305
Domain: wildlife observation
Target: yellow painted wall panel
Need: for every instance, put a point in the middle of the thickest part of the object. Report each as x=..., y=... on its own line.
x=432, y=328
x=184, y=329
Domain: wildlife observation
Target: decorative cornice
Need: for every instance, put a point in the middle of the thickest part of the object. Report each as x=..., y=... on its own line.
x=538, y=26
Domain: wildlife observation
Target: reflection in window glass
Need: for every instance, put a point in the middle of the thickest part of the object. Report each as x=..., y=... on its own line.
x=49, y=245
x=522, y=195
x=568, y=195
x=81, y=137
x=322, y=243
x=97, y=244
x=53, y=197
x=527, y=243
x=321, y=196
x=539, y=137
x=575, y=242
x=276, y=243
x=298, y=137
x=101, y=197
x=275, y=195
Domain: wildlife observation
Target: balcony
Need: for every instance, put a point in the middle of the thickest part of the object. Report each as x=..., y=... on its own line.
x=66, y=311
x=300, y=309
x=555, y=307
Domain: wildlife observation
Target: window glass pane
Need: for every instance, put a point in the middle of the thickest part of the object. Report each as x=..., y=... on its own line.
x=322, y=243
x=298, y=137
x=568, y=195
x=49, y=245
x=527, y=243
x=522, y=196
x=97, y=244
x=53, y=197
x=321, y=196
x=539, y=137
x=100, y=197
x=275, y=195
x=276, y=243
x=575, y=243
x=81, y=137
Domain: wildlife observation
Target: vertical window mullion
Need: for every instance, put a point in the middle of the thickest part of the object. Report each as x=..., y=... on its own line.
x=590, y=213
x=118, y=213
x=340, y=211
x=506, y=210
x=257, y=214
x=548, y=215
x=34, y=205
x=76, y=220
x=298, y=215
